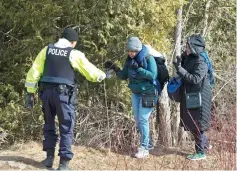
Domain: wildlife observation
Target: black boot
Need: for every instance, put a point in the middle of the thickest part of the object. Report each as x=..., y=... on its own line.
x=63, y=165
x=48, y=162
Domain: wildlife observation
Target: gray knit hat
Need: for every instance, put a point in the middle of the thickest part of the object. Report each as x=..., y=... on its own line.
x=134, y=44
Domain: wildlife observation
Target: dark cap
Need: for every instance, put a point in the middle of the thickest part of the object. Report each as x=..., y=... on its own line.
x=196, y=44
x=70, y=34
x=197, y=40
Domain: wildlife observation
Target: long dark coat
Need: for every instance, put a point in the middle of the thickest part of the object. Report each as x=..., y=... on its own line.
x=194, y=74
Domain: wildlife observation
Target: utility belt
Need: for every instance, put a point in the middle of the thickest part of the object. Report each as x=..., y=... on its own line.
x=62, y=89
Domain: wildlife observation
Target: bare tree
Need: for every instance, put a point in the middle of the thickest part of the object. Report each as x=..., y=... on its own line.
x=206, y=17
x=176, y=111
x=163, y=113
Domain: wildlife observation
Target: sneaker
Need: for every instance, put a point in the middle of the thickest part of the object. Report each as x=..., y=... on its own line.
x=196, y=156
x=142, y=153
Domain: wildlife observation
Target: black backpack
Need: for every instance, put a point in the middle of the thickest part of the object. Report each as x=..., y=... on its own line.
x=163, y=74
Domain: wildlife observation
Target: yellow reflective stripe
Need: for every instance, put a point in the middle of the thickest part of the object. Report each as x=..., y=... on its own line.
x=31, y=90
x=32, y=85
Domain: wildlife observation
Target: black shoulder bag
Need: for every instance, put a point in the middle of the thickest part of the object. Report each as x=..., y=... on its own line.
x=194, y=100
x=149, y=99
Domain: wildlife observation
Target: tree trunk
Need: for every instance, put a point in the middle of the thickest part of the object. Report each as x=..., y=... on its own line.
x=175, y=107
x=163, y=113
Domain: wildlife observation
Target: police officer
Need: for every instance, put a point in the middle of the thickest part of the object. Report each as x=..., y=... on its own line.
x=53, y=72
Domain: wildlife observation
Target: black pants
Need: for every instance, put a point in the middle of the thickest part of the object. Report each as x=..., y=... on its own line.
x=55, y=103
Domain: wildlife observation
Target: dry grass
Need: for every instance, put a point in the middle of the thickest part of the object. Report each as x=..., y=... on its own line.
x=222, y=136
x=29, y=155
x=117, y=130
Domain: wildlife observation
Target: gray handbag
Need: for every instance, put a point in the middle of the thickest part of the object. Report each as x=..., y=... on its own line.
x=194, y=99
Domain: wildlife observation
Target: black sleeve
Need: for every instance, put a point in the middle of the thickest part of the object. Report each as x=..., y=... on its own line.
x=200, y=70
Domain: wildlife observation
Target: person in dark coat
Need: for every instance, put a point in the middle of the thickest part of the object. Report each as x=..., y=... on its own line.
x=194, y=72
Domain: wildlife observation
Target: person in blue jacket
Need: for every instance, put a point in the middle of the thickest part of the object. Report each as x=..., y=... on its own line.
x=141, y=71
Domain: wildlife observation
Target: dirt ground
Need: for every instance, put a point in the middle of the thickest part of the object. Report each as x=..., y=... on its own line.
x=28, y=156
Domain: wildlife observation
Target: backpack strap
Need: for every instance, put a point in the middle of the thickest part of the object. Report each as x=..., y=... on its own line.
x=148, y=56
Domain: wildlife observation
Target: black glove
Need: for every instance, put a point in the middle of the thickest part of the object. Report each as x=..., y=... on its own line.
x=177, y=63
x=111, y=65
x=30, y=100
x=108, y=64
x=133, y=64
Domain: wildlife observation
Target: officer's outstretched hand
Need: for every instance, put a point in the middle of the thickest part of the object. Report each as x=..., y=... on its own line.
x=30, y=100
x=109, y=74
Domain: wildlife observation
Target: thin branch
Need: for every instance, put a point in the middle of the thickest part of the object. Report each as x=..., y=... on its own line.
x=55, y=23
x=7, y=34
x=107, y=113
x=221, y=89
x=187, y=16
x=218, y=77
x=206, y=16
